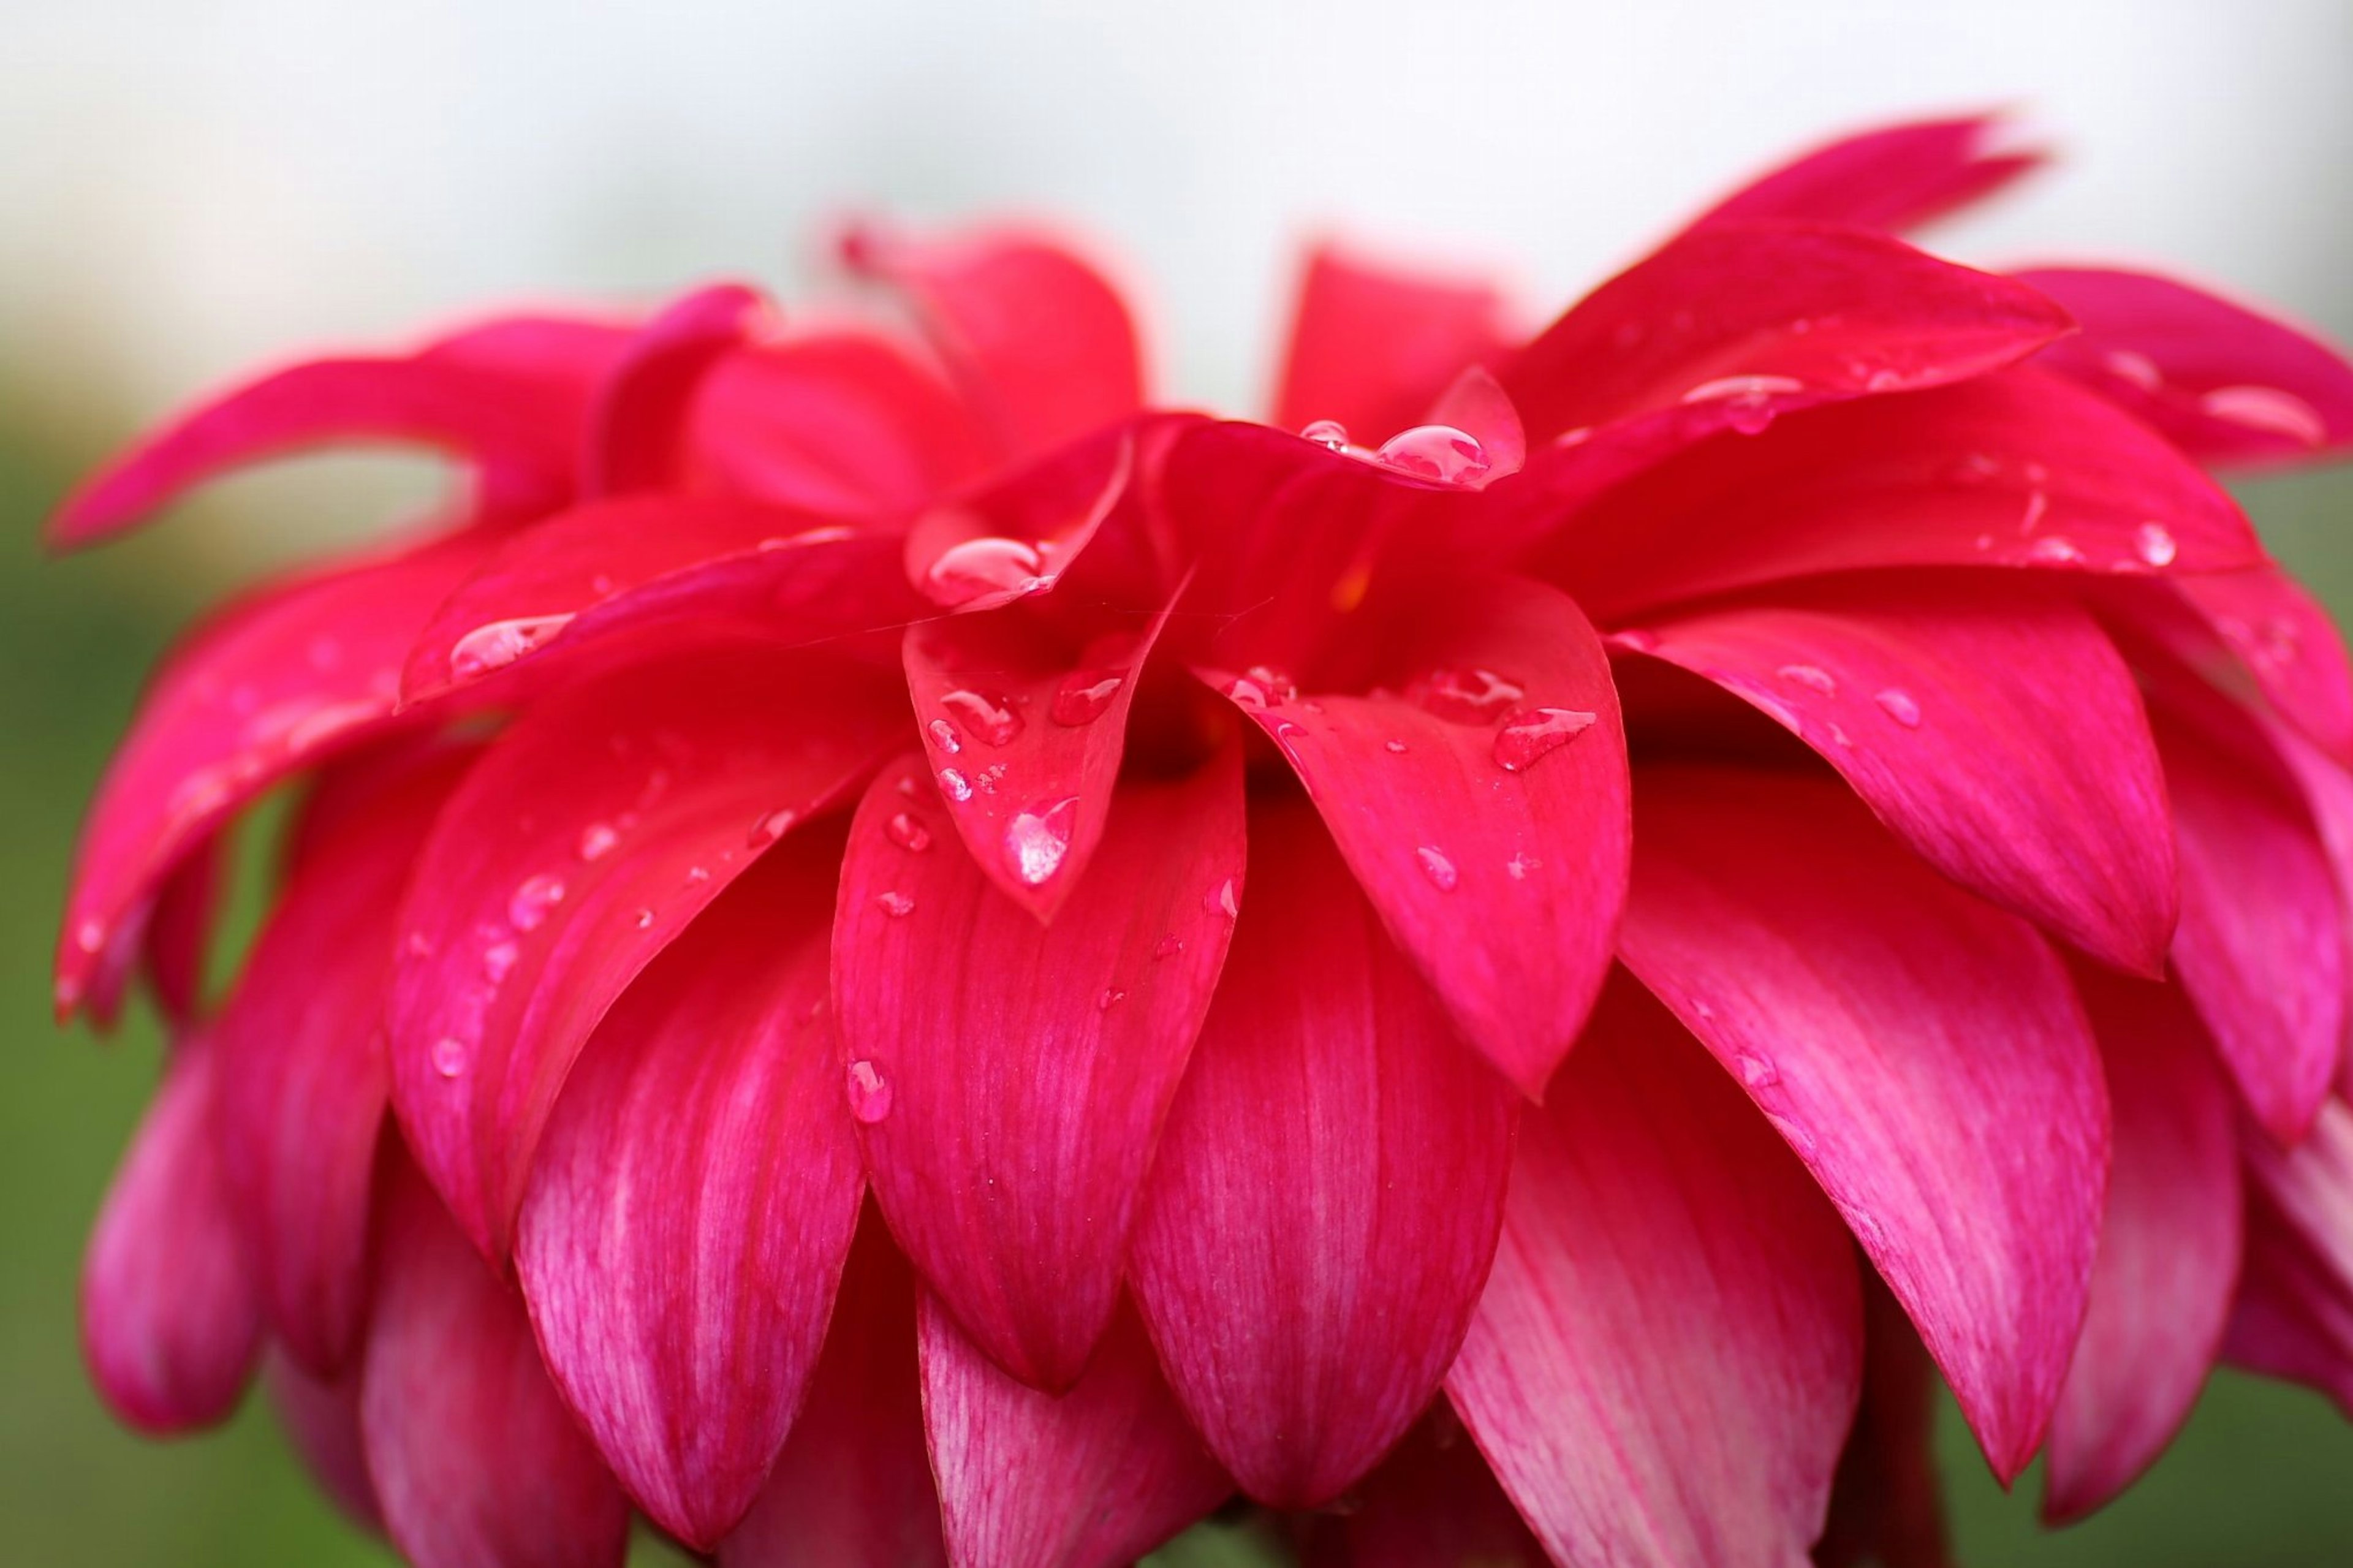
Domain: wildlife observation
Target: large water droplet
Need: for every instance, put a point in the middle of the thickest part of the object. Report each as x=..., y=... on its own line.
x=2154, y=543
x=2269, y=410
x=596, y=840
x=451, y=1056
x=1898, y=705
x=944, y=736
x=501, y=643
x=1527, y=738
x=868, y=1093
x=1085, y=695
x=1222, y=899
x=896, y=904
x=1037, y=840
x=989, y=565
x=1437, y=868
x=907, y=833
x=1468, y=696
x=1437, y=452
x=1326, y=433
x=992, y=719
x=533, y=899
x=954, y=785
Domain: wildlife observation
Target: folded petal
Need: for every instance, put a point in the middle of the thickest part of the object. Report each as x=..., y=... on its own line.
x=1325, y=1202
x=1731, y=322
x=1371, y=345
x=1015, y=533
x=476, y=1461
x=1091, y=1478
x=1992, y=727
x=1035, y=337
x=1478, y=790
x=1628, y=1434
x=1887, y=1505
x=1896, y=178
x=644, y=404
x=1011, y=1078
x=853, y=1485
x=2161, y=1285
x=1923, y=1052
x=1433, y=1500
x=322, y=1422
x=695, y=1197
x=304, y=1081
x=2288, y=641
x=599, y=824
x=2226, y=383
x=2022, y=468
x=171, y=1318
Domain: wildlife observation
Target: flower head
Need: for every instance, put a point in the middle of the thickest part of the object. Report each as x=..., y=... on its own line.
x=889, y=955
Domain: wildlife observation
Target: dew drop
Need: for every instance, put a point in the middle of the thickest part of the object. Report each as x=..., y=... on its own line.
x=1326, y=433
x=645, y=920
x=1222, y=899
x=1742, y=387
x=907, y=833
x=989, y=564
x=1037, y=840
x=1898, y=705
x=497, y=644
x=992, y=719
x=1437, y=452
x=1528, y=737
x=596, y=840
x=896, y=904
x=2038, y=505
x=499, y=960
x=90, y=935
x=1169, y=946
x=1437, y=868
x=528, y=908
x=419, y=946
x=868, y=1093
x=2139, y=369
x=2054, y=549
x=1757, y=1072
x=451, y=1056
x=2154, y=543
x=1110, y=998
x=770, y=828
x=1520, y=865
x=697, y=874
x=1085, y=696
x=1468, y=696
x=944, y=736
x=954, y=785
x=1813, y=676
x=2269, y=410
x=1396, y=748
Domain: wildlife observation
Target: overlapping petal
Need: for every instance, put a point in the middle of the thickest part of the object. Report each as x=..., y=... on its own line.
x=1896, y=178
x=644, y=404
x=1371, y=345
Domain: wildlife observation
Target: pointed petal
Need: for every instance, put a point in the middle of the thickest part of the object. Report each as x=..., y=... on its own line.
x=599, y=823
x=2169, y=1252
x=321, y=1421
x=1896, y=178
x=1331, y=1125
x=853, y=1485
x=180, y=932
x=1887, y=1506
x=303, y=1076
x=1484, y=811
x=1015, y=533
x=2294, y=1319
x=1012, y=1077
x=646, y=401
x=1992, y=727
x=171, y=1320
x=1034, y=335
x=1433, y=1500
x=1922, y=1051
x=475, y=1459
x=2017, y=470
x=271, y=684
x=2226, y=383
x=695, y=1197
x=1092, y=1478
x=2288, y=641
x=1370, y=345
x=1476, y=404
x=1626, y=1433
x=1735, y=320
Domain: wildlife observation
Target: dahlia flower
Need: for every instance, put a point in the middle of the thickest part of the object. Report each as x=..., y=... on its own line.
x=887, y=955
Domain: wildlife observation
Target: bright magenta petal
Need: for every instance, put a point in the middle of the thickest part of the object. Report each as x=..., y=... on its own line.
x=1896, y=178
x=646, y=404
x=2168, y=1244
x=171, y=1315
x=2288, y=641
x=693, y=1200
x=853, y=1485
x=476, y=1461
x=1370, y=346
x=599, y=824
x=1036, y=338
x=1483, y=807
x=1012, y=1077
x=1994, y=728
x=1326, y=1196
x=1923, y=1052
x=2225, y=383
x=1665, y=1360
x=1091, y=1478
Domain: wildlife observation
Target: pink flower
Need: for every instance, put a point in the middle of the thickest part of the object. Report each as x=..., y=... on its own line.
x=1399, y=962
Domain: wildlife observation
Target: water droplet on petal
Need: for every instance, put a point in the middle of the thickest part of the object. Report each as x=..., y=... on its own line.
x=1396, y=748
x=1468, y=696
x=1520, y=865
x=1757, y=1072
x=1085, y=696
x=528, y=908
x=2139, y=369
x=2054, y=549
x=868, y=1093
x=1899, y=705
x=1527, y=738
x=596, y=840
x=907, y=833
x=989, y=565
x=896, y=904
x=1221, y=900
x=499, y=960
x=944, y=736
x=451, y=1056
x=1439, y=452
x=1811, y=676
x=697, y=874
x=1110, y=999
x=770, y=828
x=1326, y=433
x=2269, y=410
x=2154, y=543
x=645, y=920
x=90, y=935
x=2037, y=505
x=419, y=946
x=1037, y=840
x=992, y=719
x=1169, y=946
x=1437, y=868
x=499, y=644
x=954, y=785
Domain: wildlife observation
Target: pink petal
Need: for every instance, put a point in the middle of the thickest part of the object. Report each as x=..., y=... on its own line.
x=1370, y=346
x=180, y=932
x=1091, y=1478
x=2288, y=641
x=1476, y=404
x=1014, y=534
x=171, y=1322
x=475, y=1459
x=1994, y=728
x=1887, y=1505
x=1035, y=337
x=1480, y=795
x=1896, y=178
x=1324, y=1203
x=1736, y=321
x=645, y=406
x=853, y=1485
x=2017, y=470
x=1627, y=1430
x=271, y=684
x=599, y=824
x=1923, y=1052
x=2262, y=958
x=694, y=1198
x=2224, y=382
x=2295, y=1314
x=322, y=1422
x=303, y=1076
x=1433, y=1500
x=2169, y=1245
x=1011, y=1079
